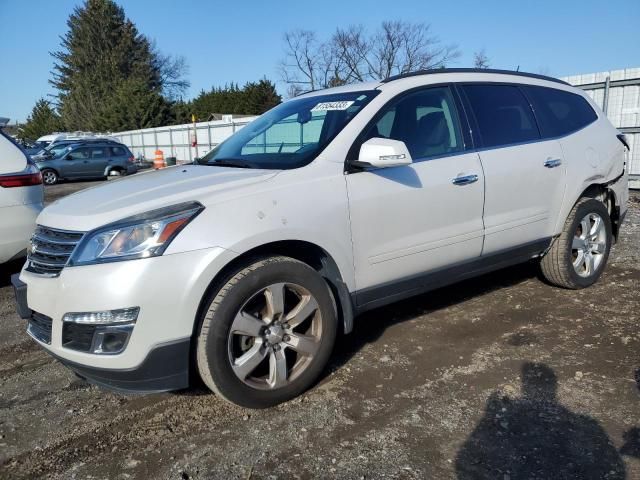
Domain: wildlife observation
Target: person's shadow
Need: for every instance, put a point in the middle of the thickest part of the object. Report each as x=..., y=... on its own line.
x=631, y=437
x=534, y=437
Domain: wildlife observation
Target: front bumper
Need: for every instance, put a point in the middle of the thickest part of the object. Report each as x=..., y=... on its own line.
x=167, y=289
x=165, y=368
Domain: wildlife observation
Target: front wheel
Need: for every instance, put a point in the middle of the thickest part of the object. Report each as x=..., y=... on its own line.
x=578, y=256
x=267, y=333
x=49, y=177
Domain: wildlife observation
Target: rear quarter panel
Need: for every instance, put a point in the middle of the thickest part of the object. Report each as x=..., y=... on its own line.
x=592, y=156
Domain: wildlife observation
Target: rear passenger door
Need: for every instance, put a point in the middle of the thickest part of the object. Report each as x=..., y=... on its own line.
x=99, y=161
x=524, y=174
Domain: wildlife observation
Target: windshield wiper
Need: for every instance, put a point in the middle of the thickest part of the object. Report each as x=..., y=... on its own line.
x=230, y=162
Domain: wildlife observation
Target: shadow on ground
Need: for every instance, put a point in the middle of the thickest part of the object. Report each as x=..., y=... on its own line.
x=369, y=327
x=631, y=437
x=535, y=437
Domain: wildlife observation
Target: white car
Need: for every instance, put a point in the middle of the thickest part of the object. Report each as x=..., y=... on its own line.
x=244, y=268
x=21, y=198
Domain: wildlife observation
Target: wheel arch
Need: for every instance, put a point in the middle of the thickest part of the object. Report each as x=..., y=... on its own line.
x=309, y=253
x=110, y=168
x=57, y=172
x=602, y=192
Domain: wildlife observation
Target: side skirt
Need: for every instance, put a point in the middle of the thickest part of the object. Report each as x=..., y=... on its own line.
x=374, y=297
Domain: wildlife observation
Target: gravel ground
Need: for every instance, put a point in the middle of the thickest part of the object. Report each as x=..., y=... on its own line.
x=500, y=377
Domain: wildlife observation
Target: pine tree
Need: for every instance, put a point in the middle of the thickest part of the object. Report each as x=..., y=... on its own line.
x=260, y=97
x=103, y=64
x=42, y=121
x=254, y=98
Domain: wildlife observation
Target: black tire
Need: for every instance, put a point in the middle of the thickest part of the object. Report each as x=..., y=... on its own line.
x=215, y=337
x=557, y=265
x=116, y=173
x=49, y=176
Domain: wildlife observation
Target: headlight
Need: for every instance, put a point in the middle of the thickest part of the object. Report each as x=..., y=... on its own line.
x=140, y=236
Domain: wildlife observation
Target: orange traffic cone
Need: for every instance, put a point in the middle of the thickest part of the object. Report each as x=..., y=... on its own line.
x=158, y=161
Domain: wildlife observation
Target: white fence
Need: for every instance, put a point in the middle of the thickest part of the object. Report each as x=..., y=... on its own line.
x=176, y=140
x=618, y=94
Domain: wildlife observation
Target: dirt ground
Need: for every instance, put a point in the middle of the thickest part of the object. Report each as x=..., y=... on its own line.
x=501, y=377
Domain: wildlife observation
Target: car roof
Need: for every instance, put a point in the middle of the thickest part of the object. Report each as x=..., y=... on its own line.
x=452, y=74
x=94, y=143
x=479, y=71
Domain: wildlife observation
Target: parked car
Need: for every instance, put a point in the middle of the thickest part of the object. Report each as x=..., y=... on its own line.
x=244, y=268
x=21, y=198
x=34, y=148
x=59, y=145
x=89, y=159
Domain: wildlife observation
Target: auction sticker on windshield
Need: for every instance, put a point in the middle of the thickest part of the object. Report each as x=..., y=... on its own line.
x=325, y=106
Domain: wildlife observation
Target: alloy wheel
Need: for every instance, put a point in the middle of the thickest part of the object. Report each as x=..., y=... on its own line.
x=589, y=245
x=274, y=336
x=49, y=177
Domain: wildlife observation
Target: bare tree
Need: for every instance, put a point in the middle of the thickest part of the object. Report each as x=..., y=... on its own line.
x=403, y=47
x=352, y=55
x=305, y=62
x=172, y=71
x=480, y=59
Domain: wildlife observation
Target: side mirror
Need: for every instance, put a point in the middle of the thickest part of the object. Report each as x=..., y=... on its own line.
x=383, y=153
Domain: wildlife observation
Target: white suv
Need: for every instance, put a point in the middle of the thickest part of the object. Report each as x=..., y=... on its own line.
x=21, y=197
x=244, y=267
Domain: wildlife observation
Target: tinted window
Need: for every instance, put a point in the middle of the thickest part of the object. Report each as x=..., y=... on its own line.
x=558, y=112
x=80, y=154
x=100, y=152
x=426, y=121
x=503, y=114
x=118, y=152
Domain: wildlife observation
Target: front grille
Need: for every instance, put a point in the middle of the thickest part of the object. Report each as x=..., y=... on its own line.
x=40, y=327
x=50, y=250
x=77, y=336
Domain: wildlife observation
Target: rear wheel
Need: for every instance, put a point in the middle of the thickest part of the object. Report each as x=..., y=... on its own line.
x=267, y=333
x=49, y=177
x=115, y=174
x=578, y=257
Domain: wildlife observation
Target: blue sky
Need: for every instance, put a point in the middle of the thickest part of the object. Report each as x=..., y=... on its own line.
x=241, y=41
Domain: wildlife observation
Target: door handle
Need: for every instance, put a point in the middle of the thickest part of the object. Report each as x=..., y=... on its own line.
x=465, y=179
x=552, y=162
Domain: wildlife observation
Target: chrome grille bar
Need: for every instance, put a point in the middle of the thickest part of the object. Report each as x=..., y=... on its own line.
x=51, y=249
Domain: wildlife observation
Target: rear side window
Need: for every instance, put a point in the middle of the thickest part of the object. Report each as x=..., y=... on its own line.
x=98, y=152
x=558, y=112
x=503, y=114
x=118, y=152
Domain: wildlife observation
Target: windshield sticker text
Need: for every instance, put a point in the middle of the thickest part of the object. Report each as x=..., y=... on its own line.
x=326, y=106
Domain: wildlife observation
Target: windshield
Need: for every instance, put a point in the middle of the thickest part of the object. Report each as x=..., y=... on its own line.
x=55, y=149
x=290, y=135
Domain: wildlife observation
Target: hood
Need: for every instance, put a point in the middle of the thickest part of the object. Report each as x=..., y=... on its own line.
x=106, y=203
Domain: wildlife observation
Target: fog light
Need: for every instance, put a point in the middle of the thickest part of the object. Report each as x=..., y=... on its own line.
x=111, y=339
x=106, y=332
x=123, y=315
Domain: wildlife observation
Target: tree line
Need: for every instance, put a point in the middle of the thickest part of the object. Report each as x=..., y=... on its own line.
x=110, y=77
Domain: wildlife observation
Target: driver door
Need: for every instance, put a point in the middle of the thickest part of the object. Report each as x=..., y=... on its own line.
x=76, y=162
x=413, y=220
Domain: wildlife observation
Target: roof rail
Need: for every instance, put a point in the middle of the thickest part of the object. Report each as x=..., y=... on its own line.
x=472, y=70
